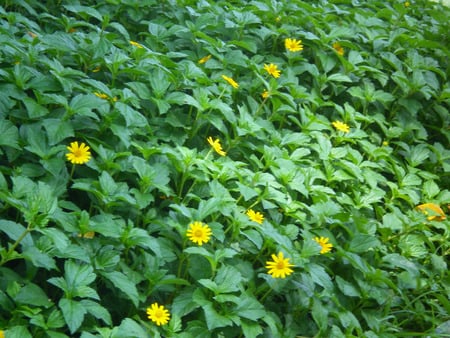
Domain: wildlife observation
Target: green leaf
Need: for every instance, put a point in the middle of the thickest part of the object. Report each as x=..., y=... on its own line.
x=215, y=319
x=59, y=238
x=18, y=332
x=430, y=189
x=31, y=294
x=250, y=329
x=39, y=258
x=254, y=237
x=320, y=276
x=132, y=117
x=97, y=310
x=248, y=307
x=73, y=313
x=128, y=328
x=347, y=288
x=124, y=284
x=9, y=134
x=319, y=313
x=339, y=78
x=34, y=109
x=58, y=130
x=363, y=243
x=14, y=231
x=247, y=192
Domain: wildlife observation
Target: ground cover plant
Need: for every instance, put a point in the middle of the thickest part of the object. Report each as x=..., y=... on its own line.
x=224, y=169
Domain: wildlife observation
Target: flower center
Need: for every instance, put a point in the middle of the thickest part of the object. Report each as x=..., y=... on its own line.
x=159, y=313
x=280, y=265
x=198, y=233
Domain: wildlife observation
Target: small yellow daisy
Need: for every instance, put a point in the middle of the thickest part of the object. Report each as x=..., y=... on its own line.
x=341, y=126
x=215, y=144
x=230, y=81
x=293, y=45
x=255, y=216
x=338, y=48
x=158, y=314
x=279, y=267
x=136, y=44
x=78, y=154
x=199, y=233
x=272, y=69
x=204, y=59
x=323, y=242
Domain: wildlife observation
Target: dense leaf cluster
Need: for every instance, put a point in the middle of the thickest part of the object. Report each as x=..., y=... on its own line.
x=123, y=77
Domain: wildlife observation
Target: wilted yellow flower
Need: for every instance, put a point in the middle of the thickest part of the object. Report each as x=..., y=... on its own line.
x=204, y=59
x=199, y=233
x=341, y=126
x=78, y=154
x=33, y=35
x=96, y=69
x=433, y=210
x=323, y=242
x=215, y=144
x=293, y=45
x=255, y=216
x=265, y=94
x=272, y=69
x=407, y=4
x=89, y=235
x=385, y=143
x=279, y=267
x=136, y=44
x=338, y=48
x=230, y=81
x=158, y=314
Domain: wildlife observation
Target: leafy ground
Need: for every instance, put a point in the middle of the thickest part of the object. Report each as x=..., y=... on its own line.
x=86, y=248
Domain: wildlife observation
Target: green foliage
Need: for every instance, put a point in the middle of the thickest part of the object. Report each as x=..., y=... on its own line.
x=85, y=249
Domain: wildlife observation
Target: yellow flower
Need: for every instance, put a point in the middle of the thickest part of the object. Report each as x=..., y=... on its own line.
x=272, y=70
x=323, y=242
x=101, y=95
x=265, y=94
x=407, y=4
x=89, y=235
x=255, y=216
x=341, y=126
x=435, y=211
x=136, y=44
x=199, y=233
x=204, y=59
x=293, y=45
x=230, y=81
x=215, y=144
x=338, y=48
x=279, y=267
x=158, y=314
x=2, y=334
x=78, y=154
